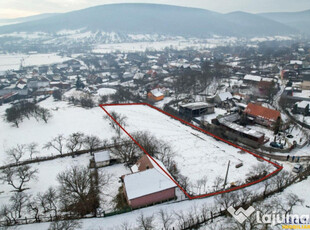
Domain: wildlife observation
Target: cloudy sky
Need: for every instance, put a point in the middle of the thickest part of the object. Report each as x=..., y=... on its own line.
x=21, y=8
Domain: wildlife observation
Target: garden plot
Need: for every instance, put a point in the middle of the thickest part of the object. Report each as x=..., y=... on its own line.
x=197, y=155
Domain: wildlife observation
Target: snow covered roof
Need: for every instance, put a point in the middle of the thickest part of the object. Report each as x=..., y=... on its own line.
x=157, y=93
x=293, y=62
x=251, y=77
x=102, y=156
x=303, y=104
x=224, y=96
x=197, y=105
x=138, y=76
x=263, y=112
x=146, y=182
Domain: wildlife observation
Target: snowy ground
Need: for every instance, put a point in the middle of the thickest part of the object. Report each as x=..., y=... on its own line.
x=66, y=120
x=197, y=155
x=13, y=61
x=47, y=175
x=111, y=190
x=189, y=206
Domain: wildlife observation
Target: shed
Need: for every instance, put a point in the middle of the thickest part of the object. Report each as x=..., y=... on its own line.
x=102, y=158
x=196, y=109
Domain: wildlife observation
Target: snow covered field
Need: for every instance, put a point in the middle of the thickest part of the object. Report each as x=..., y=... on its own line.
x=47, y=175
x=66, y=120
x=13, y=61
x=197, y=155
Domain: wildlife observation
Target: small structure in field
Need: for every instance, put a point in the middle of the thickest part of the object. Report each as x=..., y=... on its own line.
x=102, y=158
x=148, y=184
x=196, y=109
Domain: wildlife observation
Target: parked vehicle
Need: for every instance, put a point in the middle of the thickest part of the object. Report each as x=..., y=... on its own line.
x=297, y=168
x=289, y=136
x=276, y=145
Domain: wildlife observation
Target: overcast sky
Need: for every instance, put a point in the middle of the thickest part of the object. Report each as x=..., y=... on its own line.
x=21, y=8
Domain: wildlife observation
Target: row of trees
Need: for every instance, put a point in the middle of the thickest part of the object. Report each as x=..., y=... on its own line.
x=17, y=113
x=75, y=142
x=86, y=101
x=77, y=193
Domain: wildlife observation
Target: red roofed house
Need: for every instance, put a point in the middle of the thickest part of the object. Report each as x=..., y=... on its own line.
x=148, y=184
x=262, y=115
x=155, y=95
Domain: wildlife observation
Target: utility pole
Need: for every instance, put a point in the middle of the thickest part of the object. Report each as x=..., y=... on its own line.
x=225, y=181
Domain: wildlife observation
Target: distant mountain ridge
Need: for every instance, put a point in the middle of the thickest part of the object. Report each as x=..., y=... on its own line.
x=298, y=20
x=159, y=19
x=25, y=19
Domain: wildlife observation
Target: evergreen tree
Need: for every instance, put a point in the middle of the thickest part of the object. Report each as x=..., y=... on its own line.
x=79, y=84
x=307, y=110
x=277, y=126
x=295, y=109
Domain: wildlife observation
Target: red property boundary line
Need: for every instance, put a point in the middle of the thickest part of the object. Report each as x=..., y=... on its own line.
x=279, y=168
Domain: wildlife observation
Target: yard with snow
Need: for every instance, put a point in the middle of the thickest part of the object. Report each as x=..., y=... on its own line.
x=197, y=155
x=66, y=119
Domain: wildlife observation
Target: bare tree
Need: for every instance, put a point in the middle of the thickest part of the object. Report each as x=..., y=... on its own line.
x=244, y=196
x=49, y=201
x=75, y=141
x=218, y=183
x=201, y=184
x=8, y=213
x=15, y=154
x=182, y=219
x=56, y=143
x=150, y=143
x=44, y=114
x=145, y=223
x=32, y=149
x=121, y=119
x=92, y=142
x=166, y=219
x=19, y=176
x=225, y=200
x=267, y=184
x=19, y=200
x=79, y=189
x=128, y=151
x=184, y=182
x=125, y=226
x=33, y=208
x=282, y=179
x=258, y=171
